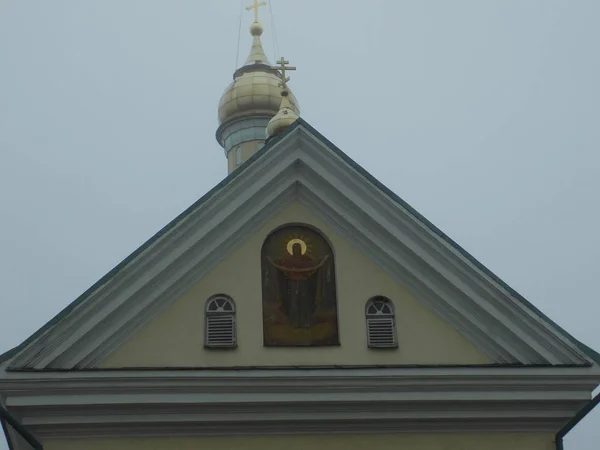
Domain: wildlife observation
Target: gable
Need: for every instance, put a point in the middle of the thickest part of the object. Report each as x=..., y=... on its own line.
x=301, y=165
x=176, y=337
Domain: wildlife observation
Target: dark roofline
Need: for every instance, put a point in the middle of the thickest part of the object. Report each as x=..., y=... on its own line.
x=323, y=368
x=595, y=356
x=7, y=418
x=582, y=414
x=106, y=278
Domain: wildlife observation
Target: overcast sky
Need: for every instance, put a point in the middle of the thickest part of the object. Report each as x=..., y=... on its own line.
x=483, y=115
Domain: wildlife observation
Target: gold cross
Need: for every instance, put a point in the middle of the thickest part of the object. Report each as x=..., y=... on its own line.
x=282, y=66
x=255, y=8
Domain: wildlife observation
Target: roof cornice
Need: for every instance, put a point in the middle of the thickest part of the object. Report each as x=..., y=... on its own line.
x=302, y=165
x=266, y=402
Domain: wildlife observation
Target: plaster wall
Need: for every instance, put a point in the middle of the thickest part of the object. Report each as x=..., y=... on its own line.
x=342, y=442
x=176, y=338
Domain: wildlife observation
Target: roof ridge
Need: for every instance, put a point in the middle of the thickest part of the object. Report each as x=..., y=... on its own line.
x=270, y=143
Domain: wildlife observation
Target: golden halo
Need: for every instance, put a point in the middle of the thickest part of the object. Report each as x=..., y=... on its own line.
x=291, y=243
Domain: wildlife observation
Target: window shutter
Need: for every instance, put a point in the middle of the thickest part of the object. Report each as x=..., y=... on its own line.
x=220, y=330
x=381, y=332
x=220, y=323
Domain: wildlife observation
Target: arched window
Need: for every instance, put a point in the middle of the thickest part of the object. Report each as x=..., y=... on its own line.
x=220, y=322
x=381, y=323
x=238, y=156
x=298, y=289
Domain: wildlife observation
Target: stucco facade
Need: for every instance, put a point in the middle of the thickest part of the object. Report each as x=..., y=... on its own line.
x=176, y=338
x=476, y=363
x=533, y=441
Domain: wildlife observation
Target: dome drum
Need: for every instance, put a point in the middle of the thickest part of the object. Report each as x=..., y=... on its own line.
x=237, y=131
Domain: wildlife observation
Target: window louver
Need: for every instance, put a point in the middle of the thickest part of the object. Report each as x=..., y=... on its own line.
x=220, y=331
x=381, y=323
x=381, y=332
x=220, y=323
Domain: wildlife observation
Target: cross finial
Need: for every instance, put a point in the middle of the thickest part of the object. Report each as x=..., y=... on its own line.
x=283, y=67
x=255, y=7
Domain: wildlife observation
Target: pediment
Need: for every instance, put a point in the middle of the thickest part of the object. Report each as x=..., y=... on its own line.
x=176, y=337
x=301, y=166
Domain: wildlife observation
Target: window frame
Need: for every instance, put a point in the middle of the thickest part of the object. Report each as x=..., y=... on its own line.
x=381, y=316
x=210, y=315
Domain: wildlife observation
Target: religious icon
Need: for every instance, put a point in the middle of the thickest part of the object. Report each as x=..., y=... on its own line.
x=299, y=295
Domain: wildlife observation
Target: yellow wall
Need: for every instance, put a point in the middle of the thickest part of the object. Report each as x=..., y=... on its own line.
x=176, y=338
x=343, y=442
x=249, y=148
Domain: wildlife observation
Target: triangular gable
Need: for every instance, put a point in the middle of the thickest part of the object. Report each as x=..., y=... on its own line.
x=301, y=164
x=173, y=339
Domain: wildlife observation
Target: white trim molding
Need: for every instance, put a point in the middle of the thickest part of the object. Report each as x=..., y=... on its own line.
x=90, y=404
x=302, y=165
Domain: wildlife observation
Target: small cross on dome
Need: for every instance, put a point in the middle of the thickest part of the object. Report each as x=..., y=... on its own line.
x=283, y=67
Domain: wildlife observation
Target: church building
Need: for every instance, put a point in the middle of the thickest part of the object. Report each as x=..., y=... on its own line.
x=299, y=304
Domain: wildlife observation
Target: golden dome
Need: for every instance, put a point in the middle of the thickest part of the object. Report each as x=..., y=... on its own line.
x=284, y=118
x=253, y=93
x=255, y=90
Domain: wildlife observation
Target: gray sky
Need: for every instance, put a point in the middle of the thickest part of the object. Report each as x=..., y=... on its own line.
x=482, y=115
